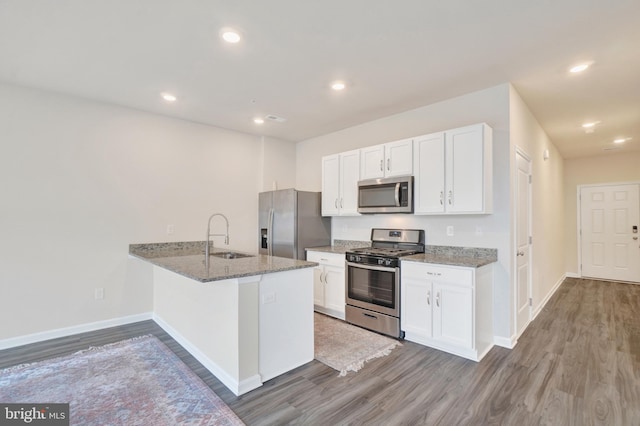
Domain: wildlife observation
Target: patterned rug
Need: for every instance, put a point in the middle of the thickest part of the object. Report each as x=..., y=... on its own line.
x=133, y=382
x=345, y=347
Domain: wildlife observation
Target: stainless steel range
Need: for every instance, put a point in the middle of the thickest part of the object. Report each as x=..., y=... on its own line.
x=373, y=279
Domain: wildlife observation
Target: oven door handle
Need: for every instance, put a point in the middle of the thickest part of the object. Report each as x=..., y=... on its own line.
x=373, y=267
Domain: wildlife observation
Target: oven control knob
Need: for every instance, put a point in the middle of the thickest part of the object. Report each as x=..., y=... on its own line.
x=380, y=261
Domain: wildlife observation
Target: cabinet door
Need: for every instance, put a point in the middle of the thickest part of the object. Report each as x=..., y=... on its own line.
x=416, y=302
x=453, y=315
x=334, y=290
x=429, y=173
x=330, y=185
x=372, y=164
x=318, y=286
x=349, y=176
x=399, y=158
x=464, y=169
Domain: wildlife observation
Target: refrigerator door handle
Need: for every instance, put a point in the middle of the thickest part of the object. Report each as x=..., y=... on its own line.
x=270, y=233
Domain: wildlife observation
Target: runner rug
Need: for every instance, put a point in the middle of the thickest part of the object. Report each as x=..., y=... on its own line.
x=134, y=382
x=345, y=347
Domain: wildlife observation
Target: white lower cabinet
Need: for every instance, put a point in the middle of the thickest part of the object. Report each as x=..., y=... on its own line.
x=328, y=283
x=447, y=307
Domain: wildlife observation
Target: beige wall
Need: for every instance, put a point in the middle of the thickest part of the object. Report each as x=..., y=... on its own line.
x=547, y=204
x=611, y=168
x=278, y=164
x=82, y=180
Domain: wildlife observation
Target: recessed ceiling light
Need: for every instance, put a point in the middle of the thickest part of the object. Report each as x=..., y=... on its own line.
x=338, y=85
x=621, y=140
x=258, y=120
x=590, y=125
x=579, y=67
x=230, y=36
x=168, y=97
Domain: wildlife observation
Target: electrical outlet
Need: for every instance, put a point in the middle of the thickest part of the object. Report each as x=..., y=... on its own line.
x=99, y=293
x=450, y=231
x=170, y=229
x=268, y=298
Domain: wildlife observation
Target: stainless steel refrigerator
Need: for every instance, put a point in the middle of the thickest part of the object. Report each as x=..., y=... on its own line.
x=290, y=221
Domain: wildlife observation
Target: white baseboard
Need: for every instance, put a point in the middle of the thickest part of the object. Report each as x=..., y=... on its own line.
x=505, y=342
x=13, y=342
x=544, y=301
x=572, y=275
x=235, y=386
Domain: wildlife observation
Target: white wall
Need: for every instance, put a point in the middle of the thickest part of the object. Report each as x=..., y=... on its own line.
x=81, y=180
x=490, y=106
x=547, y=199
x=612, y=168
x=278, y=164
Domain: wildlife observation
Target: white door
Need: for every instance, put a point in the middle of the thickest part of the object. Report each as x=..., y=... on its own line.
x=429, y=170
x=399, y=158
x=464, y=169
x=334, y=290
x=349, y=176
x=372, y=162
x=609, y=218
x=523, y=252
x=330, y=185
x=318, y=286
x=453, y=315
x=416, y=308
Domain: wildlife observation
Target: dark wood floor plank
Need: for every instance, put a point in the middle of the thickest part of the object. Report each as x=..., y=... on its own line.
x=578, y=363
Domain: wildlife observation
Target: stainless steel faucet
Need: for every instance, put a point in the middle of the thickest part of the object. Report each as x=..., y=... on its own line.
x=209, y=234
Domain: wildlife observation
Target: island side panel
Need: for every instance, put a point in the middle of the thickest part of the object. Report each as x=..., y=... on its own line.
x=205, y=319
x=286, y=321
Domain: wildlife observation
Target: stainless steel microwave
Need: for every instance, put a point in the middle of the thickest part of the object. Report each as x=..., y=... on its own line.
x=386, y=195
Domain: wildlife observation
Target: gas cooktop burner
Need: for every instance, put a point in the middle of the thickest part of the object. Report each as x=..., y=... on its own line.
x=383, y=251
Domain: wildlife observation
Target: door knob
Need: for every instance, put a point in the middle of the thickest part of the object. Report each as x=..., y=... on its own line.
x=520, y=253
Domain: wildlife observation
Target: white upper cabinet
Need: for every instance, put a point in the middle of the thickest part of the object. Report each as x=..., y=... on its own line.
x=387, y=160
x=340, y=175
x=453, y=171
x=429, y=178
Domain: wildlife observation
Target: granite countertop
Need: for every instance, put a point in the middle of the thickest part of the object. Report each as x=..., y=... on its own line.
x=340, y=246
x=187, y=259
x=455, y=256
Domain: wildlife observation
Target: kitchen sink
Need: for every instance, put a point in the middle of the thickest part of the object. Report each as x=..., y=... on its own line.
x=231, y=255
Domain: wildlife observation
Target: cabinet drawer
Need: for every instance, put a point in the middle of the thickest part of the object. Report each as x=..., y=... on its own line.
x=324, y=258
x=460, y=276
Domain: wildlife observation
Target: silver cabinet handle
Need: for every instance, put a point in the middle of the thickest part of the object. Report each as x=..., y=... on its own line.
x=441, y=197
x=434, y=274
x=388, y=163
x=450, y=197
x=428, y=298
x=381, y=167
x=438, y=299
x=341, y=202
x=336, y=203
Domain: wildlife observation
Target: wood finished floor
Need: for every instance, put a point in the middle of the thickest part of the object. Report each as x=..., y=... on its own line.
x=578, y=363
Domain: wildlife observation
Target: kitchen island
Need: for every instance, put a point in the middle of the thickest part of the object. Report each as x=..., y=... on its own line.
x=246, y=319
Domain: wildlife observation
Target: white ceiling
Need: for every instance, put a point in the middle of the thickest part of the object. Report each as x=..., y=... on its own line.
x=394, y=56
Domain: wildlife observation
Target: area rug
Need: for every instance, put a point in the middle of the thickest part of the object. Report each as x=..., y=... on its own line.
x=345, y=347
x=134, y=382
